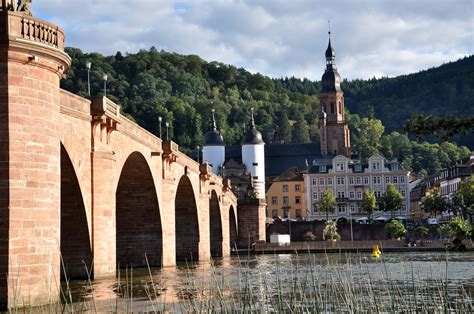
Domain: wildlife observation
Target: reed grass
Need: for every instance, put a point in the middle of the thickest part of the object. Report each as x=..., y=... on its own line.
x=350, y=283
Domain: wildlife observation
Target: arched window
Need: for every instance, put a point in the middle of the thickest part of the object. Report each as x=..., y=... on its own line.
x=340, y=107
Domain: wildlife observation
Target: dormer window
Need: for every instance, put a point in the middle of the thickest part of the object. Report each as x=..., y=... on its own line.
x=322, y=169
x=376, y=165
x=358, y=168
x=340, y=167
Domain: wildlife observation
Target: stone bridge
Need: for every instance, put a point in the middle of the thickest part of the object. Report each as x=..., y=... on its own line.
x=84, y=189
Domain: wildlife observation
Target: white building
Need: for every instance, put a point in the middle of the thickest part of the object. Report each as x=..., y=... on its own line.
x=347, y=179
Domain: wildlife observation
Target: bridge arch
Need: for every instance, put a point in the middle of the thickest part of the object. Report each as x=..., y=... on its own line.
x=186, y=222
x=75, y=244
x=215, y=225
x=233, y=231
x=138, y=219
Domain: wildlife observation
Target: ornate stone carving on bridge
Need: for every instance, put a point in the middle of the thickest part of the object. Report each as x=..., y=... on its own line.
x=226, y=185
x=105, y=118
x=21, y=6
x=205, y=171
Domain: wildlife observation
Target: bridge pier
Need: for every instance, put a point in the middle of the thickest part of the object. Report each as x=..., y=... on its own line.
x=32, y=63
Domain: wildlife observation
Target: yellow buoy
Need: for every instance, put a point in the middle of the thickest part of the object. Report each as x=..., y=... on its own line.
x=376, y=252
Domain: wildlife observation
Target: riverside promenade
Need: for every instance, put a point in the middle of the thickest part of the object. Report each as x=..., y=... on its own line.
x=355, y=246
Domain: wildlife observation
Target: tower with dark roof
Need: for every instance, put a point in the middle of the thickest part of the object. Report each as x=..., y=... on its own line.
x=334, y=132
x=213, y=151
x=253, y=157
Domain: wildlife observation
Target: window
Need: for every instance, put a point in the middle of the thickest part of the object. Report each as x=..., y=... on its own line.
x=394, y=179
x=402, y=179
x=366, y=180
x=297, y=199
x=255, y=164
x=377, y=194
x=387, y=180
x=340, y=194
x=315, y=195
x=285, y=200
x=285, y=188
x=403, y=192
x=395, y=167
x=322, y=169
x=351, y=180
x=340, y=107
x=340, y=180
x=321, y=194
x=404, y=208
x=359, y=195
x=339, y=166
x=353, y=208
x=321, y=181
x=376, y=180
x=315, y=181
x=274, y=200
x=376, y=166
x=297, y=188
x=341, y=208
x=358, y=180
x=358, y=168
x=329, y=181
x=332, y=107
x=298, y=213
x=275, y=213
x=351, y=195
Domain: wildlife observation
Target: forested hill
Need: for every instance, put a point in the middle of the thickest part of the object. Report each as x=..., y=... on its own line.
x=444, y=90
x=184, y=89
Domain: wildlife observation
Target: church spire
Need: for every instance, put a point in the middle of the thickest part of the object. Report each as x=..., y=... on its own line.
x=330, y=52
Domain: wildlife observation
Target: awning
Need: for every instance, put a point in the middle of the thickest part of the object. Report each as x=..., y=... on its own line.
x=362, y=219
x=381, y=218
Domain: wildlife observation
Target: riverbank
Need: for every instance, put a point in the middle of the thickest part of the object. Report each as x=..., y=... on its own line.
x=355, y=246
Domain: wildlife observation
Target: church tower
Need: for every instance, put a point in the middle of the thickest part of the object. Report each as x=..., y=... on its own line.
x=334, y=132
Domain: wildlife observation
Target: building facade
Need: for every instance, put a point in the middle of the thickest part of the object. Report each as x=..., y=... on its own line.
x=448, y=181
x=286, y=196
x=348, y=179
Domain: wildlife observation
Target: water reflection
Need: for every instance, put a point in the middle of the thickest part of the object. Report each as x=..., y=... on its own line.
x=262, y=279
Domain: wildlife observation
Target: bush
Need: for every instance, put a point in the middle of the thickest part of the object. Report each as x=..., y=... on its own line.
x=309, y=236
x=396, y=229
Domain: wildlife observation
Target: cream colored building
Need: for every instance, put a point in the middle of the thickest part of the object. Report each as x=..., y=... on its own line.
x=348, y=178
x=286, y=196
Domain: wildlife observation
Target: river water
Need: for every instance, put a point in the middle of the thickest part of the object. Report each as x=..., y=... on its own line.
x=274, y=283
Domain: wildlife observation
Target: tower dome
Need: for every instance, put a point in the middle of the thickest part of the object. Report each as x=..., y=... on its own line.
x=331, y=80
x=252, y=136
x=213, y=137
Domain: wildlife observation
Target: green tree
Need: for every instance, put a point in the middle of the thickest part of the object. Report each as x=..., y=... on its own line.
x=368, y=203
x=457, y=229
x=396, y=229
x=326, y=203
x=391, y=200
x=330, y=231
x=422, y=231
x=300, y=131
x=370, y=132
x=463, y=199
x=284, y=127
x=434, y=203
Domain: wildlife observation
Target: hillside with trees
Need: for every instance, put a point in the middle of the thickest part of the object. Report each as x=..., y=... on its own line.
x=184, y=89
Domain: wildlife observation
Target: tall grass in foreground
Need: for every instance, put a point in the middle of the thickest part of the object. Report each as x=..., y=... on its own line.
x=352, y=284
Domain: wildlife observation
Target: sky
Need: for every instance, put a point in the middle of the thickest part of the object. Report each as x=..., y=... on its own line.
x=277, y=38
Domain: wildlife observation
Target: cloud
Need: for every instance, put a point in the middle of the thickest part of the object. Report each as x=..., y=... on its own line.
x=278, y=37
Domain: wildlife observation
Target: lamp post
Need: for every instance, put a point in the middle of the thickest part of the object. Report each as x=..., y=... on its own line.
x=167, y=124
x=350, y=221
x=197, y=148
x=88, y=67
x=105, y=84
x=159, y=121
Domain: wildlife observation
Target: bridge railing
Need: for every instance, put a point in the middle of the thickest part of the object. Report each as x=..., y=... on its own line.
x=32, y=29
